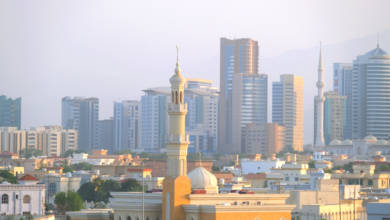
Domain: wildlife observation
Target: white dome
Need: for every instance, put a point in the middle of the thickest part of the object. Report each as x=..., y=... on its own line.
x=347, y=142
x=370, y=138
x=335, y=142
x=202, y=179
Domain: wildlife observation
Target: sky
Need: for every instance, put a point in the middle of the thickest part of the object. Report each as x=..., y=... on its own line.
x=114, y=49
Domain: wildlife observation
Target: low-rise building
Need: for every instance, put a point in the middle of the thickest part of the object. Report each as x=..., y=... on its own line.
x=56, y=183
x=260, y=166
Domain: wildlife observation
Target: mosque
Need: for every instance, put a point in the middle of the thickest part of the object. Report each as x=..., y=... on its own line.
x=193, y=196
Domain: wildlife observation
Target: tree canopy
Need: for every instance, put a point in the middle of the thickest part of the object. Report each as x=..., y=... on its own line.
x=28, y=153
x=70, y=201
x=5, y=175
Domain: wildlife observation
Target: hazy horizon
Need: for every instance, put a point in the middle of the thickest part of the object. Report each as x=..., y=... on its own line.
x=114, y=49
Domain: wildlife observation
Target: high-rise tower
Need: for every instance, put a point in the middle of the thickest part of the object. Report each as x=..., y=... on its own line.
x=177, y=186
x=319, y=100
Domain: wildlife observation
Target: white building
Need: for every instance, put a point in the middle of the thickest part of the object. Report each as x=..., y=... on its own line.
x=28, y=197
x=83, y=158
x=260, y=166
x=12, y=140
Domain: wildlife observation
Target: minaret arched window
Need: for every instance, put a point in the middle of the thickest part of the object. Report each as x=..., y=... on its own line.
x=173, y=98
x=176, y=98
x=181, y=97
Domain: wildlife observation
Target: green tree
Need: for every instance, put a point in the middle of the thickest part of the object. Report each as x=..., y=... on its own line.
x=7, y=176
x=82, y=166
x=28, y=153
x=87, y=191
x=98, y=190
x=130, y=185
x=312, y=164
x=67, y=169
x=60, y=202
x=70, y=201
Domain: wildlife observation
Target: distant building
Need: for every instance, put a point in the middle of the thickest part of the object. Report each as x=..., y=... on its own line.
x=342, y=85
x=105, y=134
x=287, y=109
x=260, y=166
x=12, y=140
x=335, y=116
x=265, y=139
x=370, y=95
x=378, y=210
x=249, y=105
x=10, y=112
x=238, y=56
x=127, y=125
x=82, y=114
x=56, y=183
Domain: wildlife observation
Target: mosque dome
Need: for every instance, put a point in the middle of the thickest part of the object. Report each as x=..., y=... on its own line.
x=382, y=142
x=347, y=142
x=203, y=179
x=335, y=142
x=370, y=138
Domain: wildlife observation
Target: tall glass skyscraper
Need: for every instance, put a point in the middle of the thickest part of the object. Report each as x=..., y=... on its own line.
x=10, y=112
x=82, y=114
x=371, y=95
x=238, y=56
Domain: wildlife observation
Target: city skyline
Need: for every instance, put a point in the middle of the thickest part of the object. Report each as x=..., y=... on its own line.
x=117, y=59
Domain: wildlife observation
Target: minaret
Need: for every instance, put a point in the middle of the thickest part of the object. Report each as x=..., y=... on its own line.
x=177, y=143
x=320, y=104
x=176, y=186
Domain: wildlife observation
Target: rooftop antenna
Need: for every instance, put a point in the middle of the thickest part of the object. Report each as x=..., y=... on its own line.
x=177, y=54
x=377, y=40
x=200, y=159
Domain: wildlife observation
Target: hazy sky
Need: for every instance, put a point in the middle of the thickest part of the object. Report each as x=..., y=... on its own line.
x=114, y=49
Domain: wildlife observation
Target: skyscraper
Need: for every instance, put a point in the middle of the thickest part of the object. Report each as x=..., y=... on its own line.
x=10, y=112
x=287, y=109
x=82, y=114
x=106, y=134
x=249, y=105
x=342, y=85
x=239, y=56
x=126, y=125
x=371, y=95
x=334, y=116
x=265, y=139
x=154, y=116
x=319, y=106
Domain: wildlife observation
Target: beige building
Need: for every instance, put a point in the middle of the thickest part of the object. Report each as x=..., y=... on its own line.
x=12, y=140
x=265, y=139
x=287, y=109
x=334, y=116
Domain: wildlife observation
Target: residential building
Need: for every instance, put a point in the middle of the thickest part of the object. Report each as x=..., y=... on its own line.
x=378, y=210
x=24, y=198
x=266, y=139
x=127, y=125
x=342, y=85
x=12, y=140
x=82, y=114
x=10, y=112
x=287, y=109
x=334, y=116
x=370, y=95
x=105, y=134
x=259, y=166
x=249, y=105
x=56, y=183
x=238, y=56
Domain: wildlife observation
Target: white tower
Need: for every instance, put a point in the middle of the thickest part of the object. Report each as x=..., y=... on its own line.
x=319, y=140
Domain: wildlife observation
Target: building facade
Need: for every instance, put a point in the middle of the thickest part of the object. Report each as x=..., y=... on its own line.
x=238, y=56
x=126, y=125
x=287, y=109
x=370, y=95
x=82, y=114
x=106, y=134
x=10, y=112
x=265, y=139
x=342, y=85
x=335, y=115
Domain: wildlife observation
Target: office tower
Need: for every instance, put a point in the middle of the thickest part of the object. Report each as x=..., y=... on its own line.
x=106, y=134
x=12, y=140
x=265, y=139
x=319, y=106
x=287, y=109
x=154, y=119
x=239, y=56
x=201, y=119
x=10, y=112
x=371, y=95
x=249, y=105
x=82, y=114
x=334, y=116
x=342, y=85
x=126, y=125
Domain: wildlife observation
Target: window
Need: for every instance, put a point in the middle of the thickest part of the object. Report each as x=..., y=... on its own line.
x=4, y=199
x=26, y=199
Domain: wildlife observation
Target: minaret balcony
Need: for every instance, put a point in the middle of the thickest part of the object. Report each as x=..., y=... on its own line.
x=178, y=139
x=177, y=107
